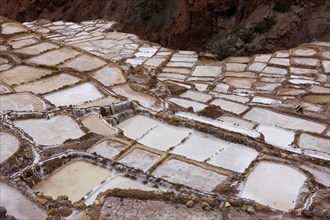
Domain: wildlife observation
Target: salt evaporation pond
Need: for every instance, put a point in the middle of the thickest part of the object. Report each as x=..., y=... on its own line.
x=9, y=144
x=74, y=95
x=274, y=185
x=51, y=131
x=74, y=180
x=18, y=205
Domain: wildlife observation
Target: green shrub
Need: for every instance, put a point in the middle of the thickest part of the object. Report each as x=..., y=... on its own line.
x=282, y=7
x=247, y=37
x=264, y=26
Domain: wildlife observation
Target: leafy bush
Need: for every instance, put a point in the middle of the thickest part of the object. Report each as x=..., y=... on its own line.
x=282, y=7
x=264, y=26
x=247, y=37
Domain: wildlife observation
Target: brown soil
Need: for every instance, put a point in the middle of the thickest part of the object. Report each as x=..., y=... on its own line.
x=224, y=27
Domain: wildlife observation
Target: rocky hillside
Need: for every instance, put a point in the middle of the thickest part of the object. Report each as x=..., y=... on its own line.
x=224, y=27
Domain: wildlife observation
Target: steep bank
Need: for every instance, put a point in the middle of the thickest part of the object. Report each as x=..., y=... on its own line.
x=224, y=27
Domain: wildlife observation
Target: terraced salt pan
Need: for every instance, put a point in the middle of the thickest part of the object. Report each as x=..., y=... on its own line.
x=317, y=99
x=21, y=102
x=107, y=148
x=12, y=28
x=9, y=144
x=207, y=71
x=18, y=205
x=199, y=146
x=74, y=95
x=100, y=102
x=48, y=84
x=267, y=117
x=74, y=180
x=311, y=142
x=277, y=136
x=84, y=63
x=109, y=76
x=242, y=83
x=187, y=174
x=23, y=74
x=51, y=131
x=54, y=57
x=140, y=159
x=220, y=124
x=22, y=43
x=279, y=187
x=230, y=106
x=197, y=96
x=118, y=182
x=235, y=157
x=138, y=125
x=165, y=136
x=96, y=124
x=130, y=94
x=185, y=103
x=37, y=49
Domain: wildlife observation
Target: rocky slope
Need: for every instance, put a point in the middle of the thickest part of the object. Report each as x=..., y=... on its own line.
x=224, y=27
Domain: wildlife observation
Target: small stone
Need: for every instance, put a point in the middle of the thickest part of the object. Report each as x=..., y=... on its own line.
x=63, y=197
x=318, y=213
x=190, y=204
x=42, y=201
x=227, y=204
x=307, y=213
x=251, y=210
x=222, y=205
x=244, y=208
x=65, y=211
x=3, y=212
x=52, y=212
x=206, y=206
x=298, y=212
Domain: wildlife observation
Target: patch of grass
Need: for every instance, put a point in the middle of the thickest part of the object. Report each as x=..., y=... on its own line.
x=223, y=51
x=282, y=7
x=264, y=26
x=247, y=37
x=66, y=8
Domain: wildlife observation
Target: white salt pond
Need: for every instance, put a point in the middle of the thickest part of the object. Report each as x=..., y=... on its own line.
x=117, y=182
x=23, y=74
x=74, y=95
x=107, y=148
x=279, y=187
x=199, y=146
x=109, y=76
x=9, y=144
x=100, y=102
x=74, y=180
x=138, y=125
x=54, y=57
x=165, y=136
x=18, y=205
x=187, y=174
x=48, y=84
x=140, y=159
x=21, y=102
x=235, y=157
x=84, y=63
x=51, y=131
x=96, y=124
x=12, y=28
